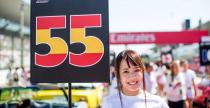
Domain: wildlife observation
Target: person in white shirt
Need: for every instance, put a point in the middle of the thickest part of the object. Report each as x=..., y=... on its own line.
x=190, y=82
x=131, y=88
x=150, y=79
x=161, y=78
x=175, y=87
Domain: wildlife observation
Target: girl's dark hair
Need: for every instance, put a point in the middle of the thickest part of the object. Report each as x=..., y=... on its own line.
x=131, y=57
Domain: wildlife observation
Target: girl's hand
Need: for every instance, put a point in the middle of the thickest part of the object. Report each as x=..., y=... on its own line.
x=177, y=85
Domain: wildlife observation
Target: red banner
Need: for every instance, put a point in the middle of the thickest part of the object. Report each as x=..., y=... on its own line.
x=157, y=37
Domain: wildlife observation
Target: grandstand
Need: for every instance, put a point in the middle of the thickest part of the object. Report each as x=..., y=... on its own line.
x=11, y=31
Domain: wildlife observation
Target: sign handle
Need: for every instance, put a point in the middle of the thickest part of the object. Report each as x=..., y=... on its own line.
x=69, y=94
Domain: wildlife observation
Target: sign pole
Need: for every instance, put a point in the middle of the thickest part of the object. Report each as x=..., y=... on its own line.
x=69, y=90
x=21, y=33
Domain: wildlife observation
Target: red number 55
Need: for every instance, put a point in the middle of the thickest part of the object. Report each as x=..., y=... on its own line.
x=94, y=48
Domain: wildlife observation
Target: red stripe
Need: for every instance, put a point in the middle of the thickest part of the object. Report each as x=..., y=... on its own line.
x=50, y=22
x=50, y=59
x=85, y=59
x=157, y=37
x=85, y=20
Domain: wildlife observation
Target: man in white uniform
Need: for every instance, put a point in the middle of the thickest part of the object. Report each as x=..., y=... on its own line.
x=190, y=82
x=150, y=79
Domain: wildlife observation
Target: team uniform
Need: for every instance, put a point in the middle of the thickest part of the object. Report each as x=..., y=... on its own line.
x=189, y=77
x=151, y=82
x=176, y=95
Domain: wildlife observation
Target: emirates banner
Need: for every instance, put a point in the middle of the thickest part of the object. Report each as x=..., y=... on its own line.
x=157, y=37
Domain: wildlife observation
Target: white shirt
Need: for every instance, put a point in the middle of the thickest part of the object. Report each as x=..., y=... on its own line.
x=189, y=76
x=178, y=93
x=151, y=82
x=152, y=101
x=160, y=74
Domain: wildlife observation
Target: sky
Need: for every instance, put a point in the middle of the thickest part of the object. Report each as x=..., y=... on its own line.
x=154, y=15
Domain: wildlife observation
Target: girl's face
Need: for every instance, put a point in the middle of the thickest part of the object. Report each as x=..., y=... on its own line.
x=131, y=78
x=175, y=68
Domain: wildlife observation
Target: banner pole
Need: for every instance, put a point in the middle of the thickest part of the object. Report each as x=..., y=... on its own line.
x=69, y=94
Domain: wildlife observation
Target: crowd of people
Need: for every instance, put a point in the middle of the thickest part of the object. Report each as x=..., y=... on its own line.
x=134, y=83
x=18, y=76
x=174, y=82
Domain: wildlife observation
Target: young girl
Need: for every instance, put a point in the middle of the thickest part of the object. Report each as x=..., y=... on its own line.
x=131, y=88
x=176, y=89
